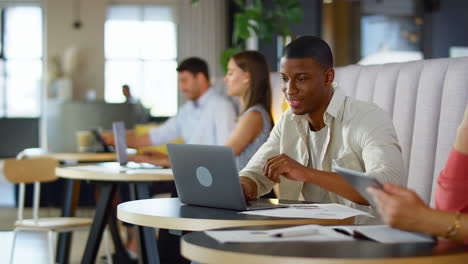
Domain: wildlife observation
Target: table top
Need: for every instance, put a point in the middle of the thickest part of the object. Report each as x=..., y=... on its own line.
x=198, y=246
x=82, y=157
x=112, y=171
x=71, y=156
x=169, y=213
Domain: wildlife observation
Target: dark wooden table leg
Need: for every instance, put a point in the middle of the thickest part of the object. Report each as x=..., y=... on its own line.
x=147, y=243
x=72, y=194
x=101, y=218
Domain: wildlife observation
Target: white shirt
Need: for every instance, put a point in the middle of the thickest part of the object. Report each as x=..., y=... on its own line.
x=208, y=121
x=360, y=137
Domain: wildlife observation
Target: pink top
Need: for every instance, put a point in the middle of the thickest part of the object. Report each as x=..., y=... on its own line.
x=451, y=193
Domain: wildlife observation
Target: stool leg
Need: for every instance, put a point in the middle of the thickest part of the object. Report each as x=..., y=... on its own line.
x=12, y=251
x=51, y=236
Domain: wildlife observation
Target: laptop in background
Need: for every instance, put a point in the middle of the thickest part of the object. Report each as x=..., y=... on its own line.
x=207, y=176
x=120, y=142
x=104, y=146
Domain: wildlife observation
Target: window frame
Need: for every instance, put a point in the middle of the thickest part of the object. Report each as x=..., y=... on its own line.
x=140, y=60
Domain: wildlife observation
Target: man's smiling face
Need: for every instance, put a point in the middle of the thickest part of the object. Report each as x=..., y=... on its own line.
x=305, y=84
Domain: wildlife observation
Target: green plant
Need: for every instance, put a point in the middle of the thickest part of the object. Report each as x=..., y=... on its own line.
x=263, y=22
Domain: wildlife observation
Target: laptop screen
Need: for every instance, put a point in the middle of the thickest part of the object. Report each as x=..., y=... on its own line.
x=120, y=142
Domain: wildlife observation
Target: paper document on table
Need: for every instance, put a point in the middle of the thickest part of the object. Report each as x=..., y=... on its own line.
x=150, y=171
x=94, y=168
x=298, y=233
x=385, y=234
x=315, y=211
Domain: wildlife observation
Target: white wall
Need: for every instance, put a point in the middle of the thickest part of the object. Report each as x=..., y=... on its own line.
x=202, y=32
x=89, y=40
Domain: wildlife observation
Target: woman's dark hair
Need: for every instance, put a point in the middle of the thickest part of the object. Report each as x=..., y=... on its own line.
x=259, y=91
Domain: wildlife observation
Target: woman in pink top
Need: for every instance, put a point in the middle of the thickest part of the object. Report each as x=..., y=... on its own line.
x=402, y=208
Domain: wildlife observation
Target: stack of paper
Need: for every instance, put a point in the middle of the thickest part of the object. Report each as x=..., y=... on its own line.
x=315, y=233
x=315, y=211
x=298, y=233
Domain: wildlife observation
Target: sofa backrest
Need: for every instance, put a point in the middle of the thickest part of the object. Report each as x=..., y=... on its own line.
x=426, y=99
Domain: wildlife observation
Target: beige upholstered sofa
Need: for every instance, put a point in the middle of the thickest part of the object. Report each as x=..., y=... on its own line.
x=426, y=99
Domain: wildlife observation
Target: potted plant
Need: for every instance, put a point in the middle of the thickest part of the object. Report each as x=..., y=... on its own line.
x=262, y=22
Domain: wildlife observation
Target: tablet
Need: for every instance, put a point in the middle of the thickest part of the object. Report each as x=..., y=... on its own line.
x=360, y=181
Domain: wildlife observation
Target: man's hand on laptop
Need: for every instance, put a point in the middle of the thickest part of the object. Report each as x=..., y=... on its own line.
x=249, y=188
x=153, y=157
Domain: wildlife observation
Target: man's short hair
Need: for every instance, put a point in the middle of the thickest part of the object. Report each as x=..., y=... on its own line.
x=194, y=65
x=310, y=47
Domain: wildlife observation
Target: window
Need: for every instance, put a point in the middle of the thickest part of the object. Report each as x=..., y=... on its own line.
x=20, y=61
x=141, y=51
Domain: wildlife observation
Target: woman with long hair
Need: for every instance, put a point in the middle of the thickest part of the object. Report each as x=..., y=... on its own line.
x=248, y=78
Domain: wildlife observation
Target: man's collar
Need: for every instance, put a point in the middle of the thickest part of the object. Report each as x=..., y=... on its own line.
x=336, y=106
x=203, y=98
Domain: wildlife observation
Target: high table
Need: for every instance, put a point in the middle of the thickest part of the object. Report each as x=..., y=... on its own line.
x=169, y=213
x=108, y=175
x=199, y=247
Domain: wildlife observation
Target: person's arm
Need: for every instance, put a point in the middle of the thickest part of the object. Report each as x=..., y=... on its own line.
x=403, y=209
x=133, y=141
x=381, y=151
x=450, y=193
x=152, y=157
x=225, y=121
x=461, y=140
x=247, y=129
x=166, y=132
x=254, y=183
x=283, y=165
x=155, y=137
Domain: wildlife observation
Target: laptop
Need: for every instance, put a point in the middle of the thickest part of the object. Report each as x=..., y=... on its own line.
x=360, y=181
x=104, y=146
x=207, y=176
x=120, y=142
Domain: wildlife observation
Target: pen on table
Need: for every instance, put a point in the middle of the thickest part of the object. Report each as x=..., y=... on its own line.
x=296, y=233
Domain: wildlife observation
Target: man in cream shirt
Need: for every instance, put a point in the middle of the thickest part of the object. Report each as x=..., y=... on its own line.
x=322, y=128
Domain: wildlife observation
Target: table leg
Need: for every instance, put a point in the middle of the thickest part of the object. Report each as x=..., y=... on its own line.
x=101, y=217
x=72, y=191
x=121, y=255
x=147, y=242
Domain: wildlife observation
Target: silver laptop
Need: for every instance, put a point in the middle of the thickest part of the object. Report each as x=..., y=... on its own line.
x=207, y=176
x=120, y=142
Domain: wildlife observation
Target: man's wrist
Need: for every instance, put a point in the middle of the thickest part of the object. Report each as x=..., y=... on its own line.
x=251, y=185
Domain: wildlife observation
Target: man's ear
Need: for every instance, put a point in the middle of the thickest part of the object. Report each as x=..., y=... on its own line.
x=329, y=76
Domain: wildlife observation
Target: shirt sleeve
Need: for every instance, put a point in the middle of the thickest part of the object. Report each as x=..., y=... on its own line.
x=225, y=121
x=451, y=194
x=254, y=168
x=381, y=152
x=166, y=132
